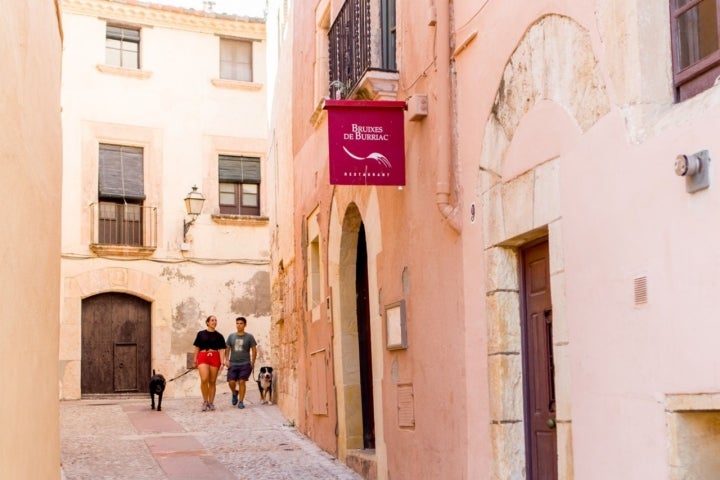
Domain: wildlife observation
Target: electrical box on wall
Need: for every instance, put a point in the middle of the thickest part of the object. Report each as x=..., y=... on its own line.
x=696, y=170
x=417, y=107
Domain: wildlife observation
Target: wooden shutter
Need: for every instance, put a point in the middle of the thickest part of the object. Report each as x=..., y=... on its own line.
x=233, y=169
x=121, y=172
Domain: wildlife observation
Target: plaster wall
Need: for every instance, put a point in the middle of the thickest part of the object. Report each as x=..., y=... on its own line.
x=286, y=333
x=31, y=161
x=620, y=213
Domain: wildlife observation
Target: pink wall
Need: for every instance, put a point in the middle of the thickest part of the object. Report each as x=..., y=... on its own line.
x=31, y=159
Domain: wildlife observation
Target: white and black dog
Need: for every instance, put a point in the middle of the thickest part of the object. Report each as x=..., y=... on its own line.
x=157, y=387
x=265, y=381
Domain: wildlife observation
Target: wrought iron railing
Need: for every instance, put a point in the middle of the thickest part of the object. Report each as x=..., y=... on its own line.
x=350, y=47
x=124, y=224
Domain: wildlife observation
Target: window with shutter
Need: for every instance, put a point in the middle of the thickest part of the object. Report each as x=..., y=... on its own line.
x=695, y=46
x=387, y=19
x=236, y=60
x=122, y=47
x=239, y=185
x=121, y=193
x=121, y=173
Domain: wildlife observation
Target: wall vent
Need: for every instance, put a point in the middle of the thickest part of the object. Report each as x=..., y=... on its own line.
x=641, y=292
x=406, y=406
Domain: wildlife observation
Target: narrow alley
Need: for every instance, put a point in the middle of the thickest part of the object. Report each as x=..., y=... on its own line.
x=122, y=438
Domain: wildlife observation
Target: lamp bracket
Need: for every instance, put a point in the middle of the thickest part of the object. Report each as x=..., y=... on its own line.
x=186, y=227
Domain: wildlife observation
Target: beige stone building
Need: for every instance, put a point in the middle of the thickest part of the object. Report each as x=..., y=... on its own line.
x=159, y=104
x=537, y=300
x=31, y=160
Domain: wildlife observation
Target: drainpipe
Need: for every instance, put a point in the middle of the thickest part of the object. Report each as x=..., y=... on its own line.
x=447, y=152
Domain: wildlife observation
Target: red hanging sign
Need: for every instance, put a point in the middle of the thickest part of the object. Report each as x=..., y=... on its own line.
x=367, y=142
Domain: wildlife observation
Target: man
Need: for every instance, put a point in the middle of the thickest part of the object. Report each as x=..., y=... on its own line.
x=240, y=355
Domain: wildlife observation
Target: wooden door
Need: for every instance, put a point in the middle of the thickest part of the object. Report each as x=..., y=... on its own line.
x=115, y=344
x=538, y=367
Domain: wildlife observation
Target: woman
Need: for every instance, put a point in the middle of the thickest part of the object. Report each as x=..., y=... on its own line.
x=209, y=356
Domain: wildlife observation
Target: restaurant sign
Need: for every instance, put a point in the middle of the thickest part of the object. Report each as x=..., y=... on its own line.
x=367, y=142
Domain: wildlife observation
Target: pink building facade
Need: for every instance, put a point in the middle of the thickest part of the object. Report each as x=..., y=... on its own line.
x=536, y=301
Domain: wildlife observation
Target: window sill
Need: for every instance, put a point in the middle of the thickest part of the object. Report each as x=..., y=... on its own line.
x=125, y=72
x=240, y=220
x=121, y=250
x=236, y=84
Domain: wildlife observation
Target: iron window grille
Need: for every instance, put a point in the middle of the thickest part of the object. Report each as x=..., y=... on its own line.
x=350, y=44
x=123, y=224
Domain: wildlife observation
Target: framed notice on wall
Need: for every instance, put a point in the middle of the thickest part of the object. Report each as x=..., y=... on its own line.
x=395, y=325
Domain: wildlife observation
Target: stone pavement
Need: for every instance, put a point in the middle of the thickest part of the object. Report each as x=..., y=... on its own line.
x=122, y=438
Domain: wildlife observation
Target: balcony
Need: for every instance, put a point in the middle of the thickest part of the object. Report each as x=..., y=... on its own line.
x=362, y=51
x=123, y=229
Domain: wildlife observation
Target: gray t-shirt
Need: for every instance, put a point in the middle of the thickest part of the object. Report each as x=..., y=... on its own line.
x=240, y=347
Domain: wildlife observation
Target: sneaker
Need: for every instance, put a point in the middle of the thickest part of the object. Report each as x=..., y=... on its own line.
x=241, y=405
x=205, y=407
x=211, y=407
x=235, y=399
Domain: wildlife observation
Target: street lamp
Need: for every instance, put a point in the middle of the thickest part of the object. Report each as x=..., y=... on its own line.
x=193, y=204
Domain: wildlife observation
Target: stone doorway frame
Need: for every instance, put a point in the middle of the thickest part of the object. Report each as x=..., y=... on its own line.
x=104, y=280
x=342, y=251
x=554, y=72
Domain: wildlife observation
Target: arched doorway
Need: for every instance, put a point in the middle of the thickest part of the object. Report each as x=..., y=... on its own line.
x=115, y=356
x=356, y=425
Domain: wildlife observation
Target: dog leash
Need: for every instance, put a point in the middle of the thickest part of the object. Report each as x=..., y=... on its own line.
x=184, y=373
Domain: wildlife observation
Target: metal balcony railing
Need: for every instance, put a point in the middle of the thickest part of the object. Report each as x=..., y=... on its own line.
x=350, y=47
x=124, y=224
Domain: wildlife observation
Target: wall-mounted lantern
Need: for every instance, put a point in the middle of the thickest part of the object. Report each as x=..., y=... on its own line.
x=193, y=204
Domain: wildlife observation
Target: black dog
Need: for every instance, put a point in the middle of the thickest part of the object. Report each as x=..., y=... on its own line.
x=157, y=387
x=264, y=381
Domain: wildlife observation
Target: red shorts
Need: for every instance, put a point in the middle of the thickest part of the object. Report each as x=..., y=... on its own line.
x=209, y=357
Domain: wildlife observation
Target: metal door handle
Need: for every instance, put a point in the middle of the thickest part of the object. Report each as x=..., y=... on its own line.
x=550, y=423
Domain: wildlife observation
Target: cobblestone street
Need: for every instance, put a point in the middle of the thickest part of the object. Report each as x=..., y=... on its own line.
x=122, y=438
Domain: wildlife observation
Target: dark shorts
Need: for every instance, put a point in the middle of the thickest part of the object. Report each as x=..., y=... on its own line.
x=239, y=372
x=210, y=357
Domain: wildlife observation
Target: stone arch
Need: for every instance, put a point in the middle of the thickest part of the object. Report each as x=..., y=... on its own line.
x=552, y=91
x=104, y=280
x=345, y=221
x=346, y=326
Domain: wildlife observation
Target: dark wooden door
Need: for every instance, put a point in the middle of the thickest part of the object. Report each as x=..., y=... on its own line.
x=365, y=347
x=538, y=367
x=115, y=344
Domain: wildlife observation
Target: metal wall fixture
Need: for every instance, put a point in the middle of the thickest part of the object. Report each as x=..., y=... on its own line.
x=696, y=170
x=193, y=204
